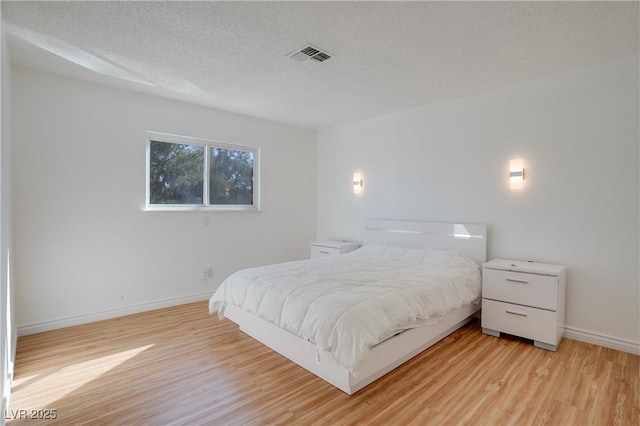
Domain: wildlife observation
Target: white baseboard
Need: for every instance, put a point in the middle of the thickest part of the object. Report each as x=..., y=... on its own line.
x=113, y=313
x=602, y=340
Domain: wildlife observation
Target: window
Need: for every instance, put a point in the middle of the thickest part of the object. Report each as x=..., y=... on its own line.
x=195, y=174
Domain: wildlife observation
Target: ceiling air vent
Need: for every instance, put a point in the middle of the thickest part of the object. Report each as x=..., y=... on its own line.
x=309, y=55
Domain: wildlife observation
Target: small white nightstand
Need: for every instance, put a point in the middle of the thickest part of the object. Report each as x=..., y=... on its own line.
x=328, y=248
x=524, y=299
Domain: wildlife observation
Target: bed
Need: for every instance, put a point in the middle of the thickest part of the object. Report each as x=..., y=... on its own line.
x=352, y=318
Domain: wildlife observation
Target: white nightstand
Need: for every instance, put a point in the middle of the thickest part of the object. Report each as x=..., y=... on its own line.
x=524, y=299
x=328, y=248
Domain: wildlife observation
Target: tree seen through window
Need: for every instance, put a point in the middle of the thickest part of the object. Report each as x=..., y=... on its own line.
x=177, y=174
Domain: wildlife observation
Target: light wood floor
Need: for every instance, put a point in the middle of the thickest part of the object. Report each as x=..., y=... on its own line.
x=183, y=366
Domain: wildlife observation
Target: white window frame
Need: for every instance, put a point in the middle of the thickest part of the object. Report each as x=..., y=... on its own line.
x=207, y=144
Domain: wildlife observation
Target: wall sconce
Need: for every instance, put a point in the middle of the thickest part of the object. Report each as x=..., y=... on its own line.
x=516, y=174
x=357, y=183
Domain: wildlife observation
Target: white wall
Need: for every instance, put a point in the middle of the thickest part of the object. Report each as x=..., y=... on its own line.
x=84, y=245
x=8, y=334
x=578, y=135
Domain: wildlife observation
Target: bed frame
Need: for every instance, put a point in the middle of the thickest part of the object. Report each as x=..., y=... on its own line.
x=468, y=239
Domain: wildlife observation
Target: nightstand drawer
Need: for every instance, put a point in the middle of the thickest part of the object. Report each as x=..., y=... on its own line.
x=523, y=321
x=332, y=248
x=319, y=251
x=539, y=291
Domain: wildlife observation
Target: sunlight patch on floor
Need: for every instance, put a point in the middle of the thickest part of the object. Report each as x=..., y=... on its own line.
x=42, y=390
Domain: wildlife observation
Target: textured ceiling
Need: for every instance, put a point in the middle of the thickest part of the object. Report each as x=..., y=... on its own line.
x=388, y=55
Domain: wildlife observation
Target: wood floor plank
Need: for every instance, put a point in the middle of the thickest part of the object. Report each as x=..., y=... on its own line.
x=182, y=366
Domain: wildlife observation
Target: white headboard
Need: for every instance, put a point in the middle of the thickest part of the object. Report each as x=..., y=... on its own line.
x=464, y=238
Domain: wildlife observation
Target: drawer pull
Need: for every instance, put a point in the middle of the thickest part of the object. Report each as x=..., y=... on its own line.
x=517, y=313
x=511, y=280
x=324, y=252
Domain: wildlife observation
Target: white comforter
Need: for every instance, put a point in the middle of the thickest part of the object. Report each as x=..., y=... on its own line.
x=346, y=304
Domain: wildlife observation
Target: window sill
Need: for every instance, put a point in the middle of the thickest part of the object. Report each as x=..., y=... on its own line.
x=200, y=209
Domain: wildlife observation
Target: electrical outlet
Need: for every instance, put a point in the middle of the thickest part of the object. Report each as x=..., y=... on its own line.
x=207, y=274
